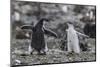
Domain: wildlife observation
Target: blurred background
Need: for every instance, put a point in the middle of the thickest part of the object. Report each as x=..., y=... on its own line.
x=24, y=13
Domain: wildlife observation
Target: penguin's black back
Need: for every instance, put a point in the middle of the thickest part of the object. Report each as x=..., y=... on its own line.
x=38, y=41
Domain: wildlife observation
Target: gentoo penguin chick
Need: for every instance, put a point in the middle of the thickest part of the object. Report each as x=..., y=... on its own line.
x=72, y=37
x=37, y=39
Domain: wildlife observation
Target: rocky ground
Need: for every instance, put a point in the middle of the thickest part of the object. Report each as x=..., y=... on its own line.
x=20, y=56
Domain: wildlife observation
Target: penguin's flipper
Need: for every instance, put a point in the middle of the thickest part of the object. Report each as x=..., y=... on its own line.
x=49, y=32
x=26, y=27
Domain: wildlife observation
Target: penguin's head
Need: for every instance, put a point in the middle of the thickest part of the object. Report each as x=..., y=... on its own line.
x=42, y=22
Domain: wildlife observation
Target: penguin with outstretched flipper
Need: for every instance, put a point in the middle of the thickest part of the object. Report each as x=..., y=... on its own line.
x=38, y=40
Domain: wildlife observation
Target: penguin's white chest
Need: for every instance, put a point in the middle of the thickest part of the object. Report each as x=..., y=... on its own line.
x=73, y=42
x=72, y=35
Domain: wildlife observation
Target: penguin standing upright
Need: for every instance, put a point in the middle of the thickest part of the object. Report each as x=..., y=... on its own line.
x=73, y=42
x=72, y=37
x=38, y=40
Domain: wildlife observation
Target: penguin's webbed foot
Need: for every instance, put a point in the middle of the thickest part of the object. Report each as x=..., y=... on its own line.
x=41, y=53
